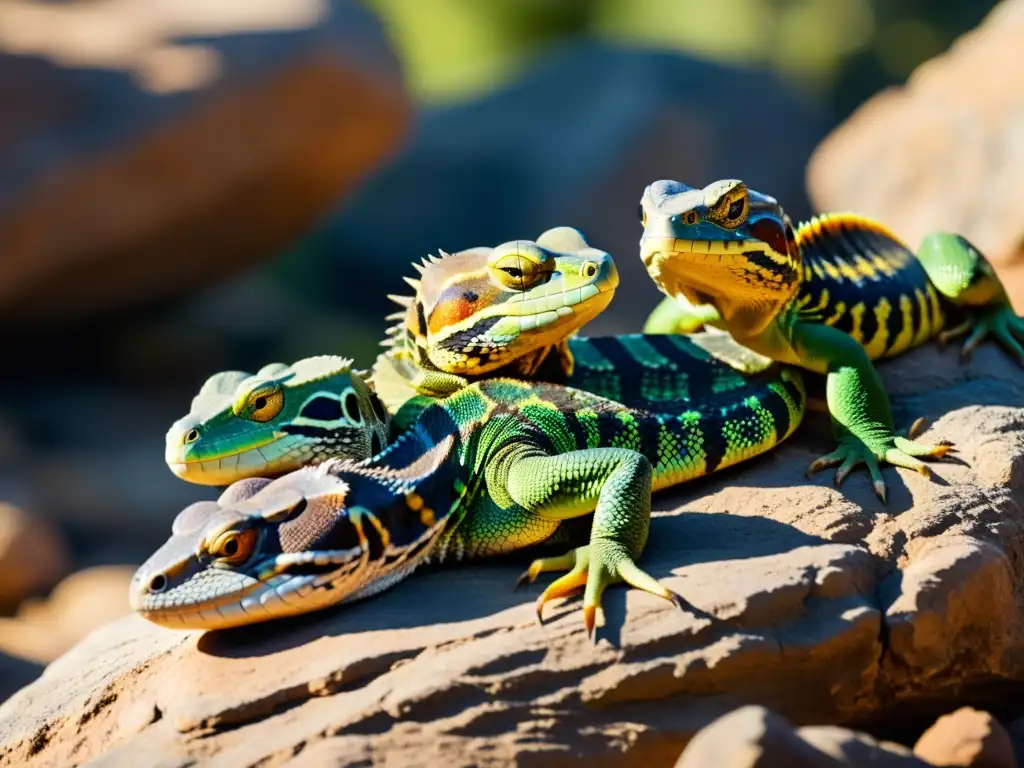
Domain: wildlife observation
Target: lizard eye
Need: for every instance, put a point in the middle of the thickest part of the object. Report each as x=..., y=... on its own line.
x=519, y=271
x=191, y=436
x=732, y=210
x=641, y=214
x=691, y=217
x=264, y=406
x=234, y=547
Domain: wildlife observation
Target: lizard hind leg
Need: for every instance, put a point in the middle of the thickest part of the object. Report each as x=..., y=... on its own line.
x=965, y=278
x=616, y=484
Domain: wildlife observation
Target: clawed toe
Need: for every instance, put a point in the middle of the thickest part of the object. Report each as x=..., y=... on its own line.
x=593, y=572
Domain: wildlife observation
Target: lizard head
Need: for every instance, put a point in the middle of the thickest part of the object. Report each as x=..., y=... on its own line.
x=478, y=310
x=244, y=425
x=267, y=549
x=724, y=245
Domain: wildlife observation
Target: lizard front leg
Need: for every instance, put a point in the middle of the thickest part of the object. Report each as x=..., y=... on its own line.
x=677, y=315
x=616, y=484
x=859, y=407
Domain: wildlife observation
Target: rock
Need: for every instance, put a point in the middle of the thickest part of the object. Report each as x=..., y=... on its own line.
x=818, y=603
x=500, y=168
x=84, y=601
x=944, y=152
x=967, y=737
x=149, y=148
x=33, y=556
x=752, y=736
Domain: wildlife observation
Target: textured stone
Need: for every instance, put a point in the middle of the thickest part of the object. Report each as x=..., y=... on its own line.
x=139, y=163
x=821, y=604
x=944, y=152
x=753, y=737
x=967, y=738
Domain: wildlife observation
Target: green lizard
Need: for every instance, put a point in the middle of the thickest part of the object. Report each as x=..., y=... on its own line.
x=511, y=307
x=276, y=420
x=517, y=303
x=497, y=466
x=830, y=297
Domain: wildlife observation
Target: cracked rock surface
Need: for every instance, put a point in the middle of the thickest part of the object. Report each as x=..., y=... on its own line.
x=822, y=604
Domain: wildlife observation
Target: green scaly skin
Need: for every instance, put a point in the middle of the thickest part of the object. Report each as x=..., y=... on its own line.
x=497, y=466
x=225, y=438
x=830, y=297
x=275, y=421
x=527, y=298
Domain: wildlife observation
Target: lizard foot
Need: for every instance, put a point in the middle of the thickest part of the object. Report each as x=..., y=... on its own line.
x=997, y=321
x=593, y=568
x=894, y=449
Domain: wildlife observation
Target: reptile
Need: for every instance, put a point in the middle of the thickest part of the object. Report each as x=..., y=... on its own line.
x=513, y=305
x=476, y=314
x=274, y=421
x=831, y=296
x=498, y=466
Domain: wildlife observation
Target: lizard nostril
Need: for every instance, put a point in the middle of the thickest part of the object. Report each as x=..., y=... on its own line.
x=158, y=583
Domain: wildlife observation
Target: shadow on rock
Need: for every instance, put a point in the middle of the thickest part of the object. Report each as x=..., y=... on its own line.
x=453, y=594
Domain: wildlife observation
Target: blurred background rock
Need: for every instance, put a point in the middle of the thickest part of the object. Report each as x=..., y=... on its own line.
x=188, y=187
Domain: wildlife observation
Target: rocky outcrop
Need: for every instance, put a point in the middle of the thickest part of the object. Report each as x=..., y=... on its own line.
x=967, y=737
x=139, y=162
x=819, y=603
x=944, y=152
x=43, y=629
x=33, y=556
x=753, y=737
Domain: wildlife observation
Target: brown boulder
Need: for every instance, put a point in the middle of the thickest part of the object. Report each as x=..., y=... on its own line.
x=753, y=737
x=43, y=629
x=138, y=166
x=967, y=738
x=33, y=556
x=944, y=152
x=822, y=604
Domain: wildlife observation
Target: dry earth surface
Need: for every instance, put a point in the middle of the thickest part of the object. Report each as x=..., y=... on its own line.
x=819, y=603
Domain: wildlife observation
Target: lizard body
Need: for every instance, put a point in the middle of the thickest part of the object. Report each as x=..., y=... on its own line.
x=497, y=466
x=831, y=296
x=476, y=314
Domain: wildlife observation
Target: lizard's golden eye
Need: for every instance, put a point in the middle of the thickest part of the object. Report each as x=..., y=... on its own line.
x=519, y=272
x=234, y=547
x=264, y=405
x=191, y=436
x=641, y=214
x=691, y=217
x=732, y=210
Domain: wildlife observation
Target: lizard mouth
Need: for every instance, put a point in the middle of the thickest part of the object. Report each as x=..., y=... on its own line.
x=222, y=470
x=694, y=251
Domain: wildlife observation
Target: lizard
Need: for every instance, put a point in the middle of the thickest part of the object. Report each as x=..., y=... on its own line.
x=276, y=420
x=471, y=295
x=530, y=298
x=499, y=465
x=521, y=302
x=832, y=296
